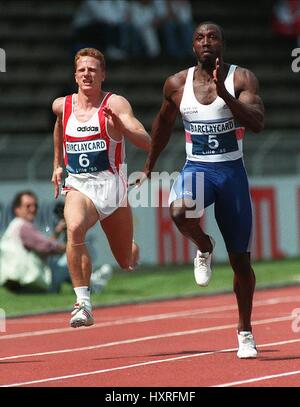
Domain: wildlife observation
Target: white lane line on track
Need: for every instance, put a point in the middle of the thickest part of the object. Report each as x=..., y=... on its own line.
x=144, y=339
x=135, y=365
x=258, y=379
x=149, y=318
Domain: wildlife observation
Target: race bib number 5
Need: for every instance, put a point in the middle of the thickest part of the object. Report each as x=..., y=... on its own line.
x=214, y=144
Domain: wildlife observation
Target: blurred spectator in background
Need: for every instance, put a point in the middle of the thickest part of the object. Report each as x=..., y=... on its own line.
x=145, y=39
x=176, y=26
x=103, y=24
x=286, y=18
x=25, y=253
x=136, y=28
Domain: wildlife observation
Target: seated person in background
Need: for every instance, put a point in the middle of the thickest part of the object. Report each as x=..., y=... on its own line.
x=176, y=27
x=103, y=24
x=25, y=252
x=145, y=40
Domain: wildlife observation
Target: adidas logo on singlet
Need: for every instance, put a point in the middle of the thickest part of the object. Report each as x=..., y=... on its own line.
x=87, y=128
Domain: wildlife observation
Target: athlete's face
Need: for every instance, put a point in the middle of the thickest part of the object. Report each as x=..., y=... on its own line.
x=27, y=209
x=89, y=74
x=208, y=43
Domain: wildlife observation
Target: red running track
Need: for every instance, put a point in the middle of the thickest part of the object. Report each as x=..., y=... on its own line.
x=177, y=343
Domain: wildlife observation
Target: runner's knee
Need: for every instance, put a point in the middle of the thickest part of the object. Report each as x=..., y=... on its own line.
x=76, y=232
x=240, y=263
x=178, y=216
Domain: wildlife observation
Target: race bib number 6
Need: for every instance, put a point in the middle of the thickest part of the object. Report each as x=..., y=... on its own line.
x=84, y=161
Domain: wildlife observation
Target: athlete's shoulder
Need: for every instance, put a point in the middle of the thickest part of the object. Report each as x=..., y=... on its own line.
x=118, y=102
x=245, y=77
x=58, y=105
x=175, y=82
x=115, y=98
x=178, y=79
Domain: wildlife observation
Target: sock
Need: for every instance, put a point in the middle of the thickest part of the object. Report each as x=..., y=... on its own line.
x=83, y=294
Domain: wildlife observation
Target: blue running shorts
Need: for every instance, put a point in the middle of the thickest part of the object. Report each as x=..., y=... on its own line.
x=226, y=185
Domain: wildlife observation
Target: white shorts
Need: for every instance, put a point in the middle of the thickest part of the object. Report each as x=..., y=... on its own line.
x=106, y=190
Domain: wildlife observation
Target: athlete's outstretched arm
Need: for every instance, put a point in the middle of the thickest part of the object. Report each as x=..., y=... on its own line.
x=162, y=126
x=57, y=108
x=122, y=119
x=248, y=108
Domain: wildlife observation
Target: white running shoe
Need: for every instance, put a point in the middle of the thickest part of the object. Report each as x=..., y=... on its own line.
x=81, y=316
x=202, y=269
x=247, y=347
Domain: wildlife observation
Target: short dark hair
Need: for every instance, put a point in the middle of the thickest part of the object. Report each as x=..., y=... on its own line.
x=16, y=203
x=215, y=24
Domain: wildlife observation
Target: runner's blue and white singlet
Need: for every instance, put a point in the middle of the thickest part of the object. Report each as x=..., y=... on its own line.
x=212, y=134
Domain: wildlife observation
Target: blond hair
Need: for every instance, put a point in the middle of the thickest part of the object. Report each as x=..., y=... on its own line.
x=90, y=52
